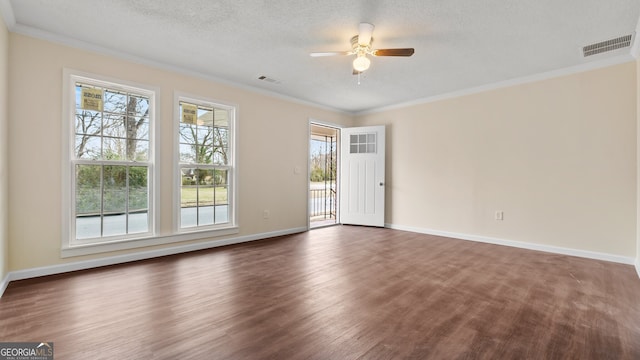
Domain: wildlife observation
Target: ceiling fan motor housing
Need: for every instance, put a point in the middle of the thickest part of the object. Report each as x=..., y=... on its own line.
x=358, y=48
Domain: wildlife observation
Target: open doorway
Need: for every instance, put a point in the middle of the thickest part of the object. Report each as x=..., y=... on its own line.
x=323, y=173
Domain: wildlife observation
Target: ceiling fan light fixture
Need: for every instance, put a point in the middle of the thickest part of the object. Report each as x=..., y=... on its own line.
x=361, y=63
x=361, y=47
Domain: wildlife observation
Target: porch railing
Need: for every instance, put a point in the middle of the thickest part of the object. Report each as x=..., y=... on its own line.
x=322, y=203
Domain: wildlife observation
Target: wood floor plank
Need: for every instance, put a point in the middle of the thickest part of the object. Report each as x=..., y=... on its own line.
x=341, y=292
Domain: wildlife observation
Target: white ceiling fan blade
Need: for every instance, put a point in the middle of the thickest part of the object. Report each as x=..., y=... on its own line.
x=365, y=31
x=330, y=53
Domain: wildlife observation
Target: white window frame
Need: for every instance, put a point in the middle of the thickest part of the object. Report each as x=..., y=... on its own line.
x=70, y=246
x=231, y=227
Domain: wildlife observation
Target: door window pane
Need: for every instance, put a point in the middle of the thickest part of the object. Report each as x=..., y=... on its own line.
x=362, y=143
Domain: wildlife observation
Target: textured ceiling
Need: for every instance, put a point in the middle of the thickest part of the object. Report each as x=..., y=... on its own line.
x=459, y=44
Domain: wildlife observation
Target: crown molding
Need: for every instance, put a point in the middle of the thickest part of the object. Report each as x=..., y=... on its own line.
x=635, y=47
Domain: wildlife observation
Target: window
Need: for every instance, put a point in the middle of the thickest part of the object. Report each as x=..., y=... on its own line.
x=111, y=162
x=362, y=143
x=206, y=165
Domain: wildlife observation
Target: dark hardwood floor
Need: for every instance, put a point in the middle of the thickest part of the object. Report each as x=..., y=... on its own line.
x=336, y=293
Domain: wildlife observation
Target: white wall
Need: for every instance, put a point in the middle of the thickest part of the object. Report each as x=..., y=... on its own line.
x=272, y=138
x=4, y=149
x=557, y=156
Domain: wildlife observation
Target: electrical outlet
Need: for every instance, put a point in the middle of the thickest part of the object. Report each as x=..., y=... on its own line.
x=499, y=215
x=265, y=214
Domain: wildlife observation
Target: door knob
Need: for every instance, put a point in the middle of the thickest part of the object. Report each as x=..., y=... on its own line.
x=381, y=184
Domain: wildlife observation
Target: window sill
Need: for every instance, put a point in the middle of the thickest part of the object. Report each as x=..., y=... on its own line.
x=89, y=249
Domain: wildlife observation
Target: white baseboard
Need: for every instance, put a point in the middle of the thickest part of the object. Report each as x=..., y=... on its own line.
x=4, y=284
x=638, y=266
x=523, y=245
x=142, y=255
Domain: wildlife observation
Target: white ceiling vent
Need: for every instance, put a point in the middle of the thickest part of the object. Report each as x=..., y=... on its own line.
x=608, y=45
x=268, y=79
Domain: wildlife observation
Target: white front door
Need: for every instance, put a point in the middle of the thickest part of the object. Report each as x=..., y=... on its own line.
x=362, y=176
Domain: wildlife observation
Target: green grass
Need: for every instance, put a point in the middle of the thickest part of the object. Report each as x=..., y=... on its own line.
x=189, y=196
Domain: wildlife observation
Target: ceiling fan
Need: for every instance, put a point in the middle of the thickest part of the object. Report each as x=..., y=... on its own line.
x=361, y=47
